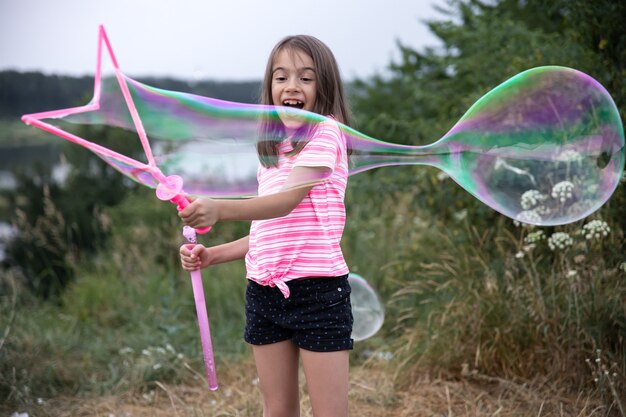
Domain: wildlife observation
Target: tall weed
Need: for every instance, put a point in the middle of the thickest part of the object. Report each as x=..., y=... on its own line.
x=127, y=320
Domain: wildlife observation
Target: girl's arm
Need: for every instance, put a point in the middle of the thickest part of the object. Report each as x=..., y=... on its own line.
x=200, y=256
x=206, y=212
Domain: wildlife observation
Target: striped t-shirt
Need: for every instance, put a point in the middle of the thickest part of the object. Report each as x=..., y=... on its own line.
x=304, y=243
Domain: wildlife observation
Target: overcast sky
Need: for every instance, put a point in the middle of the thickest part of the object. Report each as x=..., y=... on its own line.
x=195, y=39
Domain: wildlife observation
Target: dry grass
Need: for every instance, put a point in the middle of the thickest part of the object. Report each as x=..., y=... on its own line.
x=373, y=394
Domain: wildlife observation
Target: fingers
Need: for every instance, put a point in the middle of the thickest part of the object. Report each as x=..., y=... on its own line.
x=192, y=215
x=191, y=208
x=190, y=257
x=186, y=213
x=196, y=252
x=191, y=264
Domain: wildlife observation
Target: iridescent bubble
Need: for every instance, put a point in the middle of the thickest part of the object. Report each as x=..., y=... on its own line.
x=545, y=147
x=367, y=310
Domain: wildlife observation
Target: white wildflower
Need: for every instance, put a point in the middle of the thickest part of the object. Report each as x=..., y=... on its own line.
x=529, y=217
x=126, y=351
x=572, y=273
x=157, y=366
x=542, y=210
x=417, y=221
x=570, y=155
x=146, y=352
x=532, y=198
x=560, y=240
x=149, y=396
x=460, y=215
x=398, y=219
x=535, y=236
x=596, y=229
x=528, y=248
x=563, y=191
x=441, y=176
x=519, y=255
x=385, y=356
x=160, y=350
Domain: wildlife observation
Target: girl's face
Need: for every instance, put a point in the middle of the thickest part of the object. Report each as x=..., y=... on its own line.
x=294, y=84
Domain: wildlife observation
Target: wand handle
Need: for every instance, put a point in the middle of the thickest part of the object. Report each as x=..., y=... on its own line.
x=171, y=188
x=203, y=319
x=182, y=202
x=205, y=331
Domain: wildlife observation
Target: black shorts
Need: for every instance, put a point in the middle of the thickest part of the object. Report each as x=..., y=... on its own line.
x=317, y=315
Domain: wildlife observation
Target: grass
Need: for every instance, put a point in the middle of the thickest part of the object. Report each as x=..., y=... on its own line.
x=373, y=393
x=480, y=321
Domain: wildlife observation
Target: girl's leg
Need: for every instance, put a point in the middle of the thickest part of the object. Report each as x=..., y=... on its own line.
x=277, y=366
x=327, y=381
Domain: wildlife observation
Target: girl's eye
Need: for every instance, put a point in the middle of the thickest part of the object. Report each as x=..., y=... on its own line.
x=280, y=78
x=306, y=79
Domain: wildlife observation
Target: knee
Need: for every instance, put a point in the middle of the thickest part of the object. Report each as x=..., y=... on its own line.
x=281, y=409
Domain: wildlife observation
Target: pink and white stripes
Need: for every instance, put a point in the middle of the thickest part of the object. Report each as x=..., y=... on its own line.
x=306, y=242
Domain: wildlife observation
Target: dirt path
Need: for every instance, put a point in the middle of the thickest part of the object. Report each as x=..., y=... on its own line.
x=372, y=394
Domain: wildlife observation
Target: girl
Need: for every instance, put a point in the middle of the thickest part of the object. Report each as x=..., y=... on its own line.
x=297, y=299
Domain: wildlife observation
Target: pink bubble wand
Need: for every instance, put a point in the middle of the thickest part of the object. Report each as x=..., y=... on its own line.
x=172, y=190
x=169, y=188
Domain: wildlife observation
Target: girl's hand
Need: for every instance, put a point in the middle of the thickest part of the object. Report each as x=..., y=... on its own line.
x=201, y=212
x=194, y=257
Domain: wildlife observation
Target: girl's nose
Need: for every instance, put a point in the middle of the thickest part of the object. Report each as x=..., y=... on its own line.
x=292, y=84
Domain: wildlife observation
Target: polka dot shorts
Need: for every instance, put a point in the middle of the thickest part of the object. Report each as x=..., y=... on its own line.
x=317, y=315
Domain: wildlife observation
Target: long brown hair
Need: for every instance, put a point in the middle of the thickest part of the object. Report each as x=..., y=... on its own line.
x=330, y=97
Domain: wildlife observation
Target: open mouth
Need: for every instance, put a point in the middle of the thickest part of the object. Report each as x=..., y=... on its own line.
x=293, y=103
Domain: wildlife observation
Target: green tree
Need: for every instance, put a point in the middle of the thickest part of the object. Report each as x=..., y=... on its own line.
x=61, y=223
x=474, y=273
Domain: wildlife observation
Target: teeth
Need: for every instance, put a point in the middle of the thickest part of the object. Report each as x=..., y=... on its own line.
x=292, y=102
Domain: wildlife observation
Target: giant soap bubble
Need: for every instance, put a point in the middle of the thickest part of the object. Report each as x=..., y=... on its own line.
x=545, y=147
x=367, y=310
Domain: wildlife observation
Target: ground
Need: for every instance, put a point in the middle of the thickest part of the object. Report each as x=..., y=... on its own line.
x=373, y=393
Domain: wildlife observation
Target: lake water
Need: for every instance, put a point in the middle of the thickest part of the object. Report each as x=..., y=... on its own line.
x=7, y=232
x=29, y=159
